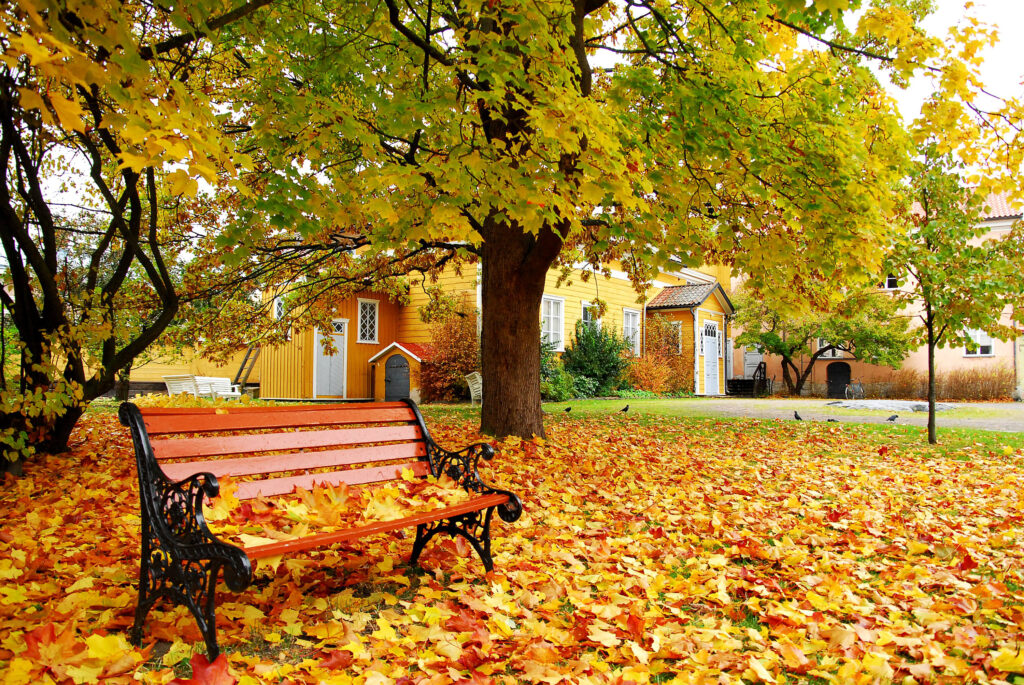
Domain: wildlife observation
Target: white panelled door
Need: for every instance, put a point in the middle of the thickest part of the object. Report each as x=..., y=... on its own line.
x=331, y=368
x=711, y=343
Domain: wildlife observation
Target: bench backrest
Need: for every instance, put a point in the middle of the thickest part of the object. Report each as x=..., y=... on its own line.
x=279, y=446
x=181, y=384
x=218, y=385
x=476, y=386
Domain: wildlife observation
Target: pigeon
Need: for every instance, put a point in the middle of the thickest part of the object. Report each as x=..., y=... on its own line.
x=797, y=416
x=892, y=419
x=568, y=409
x=832, y=420
x=624, y=409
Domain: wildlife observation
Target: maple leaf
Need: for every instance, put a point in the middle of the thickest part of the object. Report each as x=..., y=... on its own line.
x=205, y=673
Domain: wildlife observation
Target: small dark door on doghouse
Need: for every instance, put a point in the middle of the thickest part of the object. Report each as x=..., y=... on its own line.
x=396, y=378
x=838, y=375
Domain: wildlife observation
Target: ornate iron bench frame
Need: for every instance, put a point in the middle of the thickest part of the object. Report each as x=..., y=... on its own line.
x=182, y=558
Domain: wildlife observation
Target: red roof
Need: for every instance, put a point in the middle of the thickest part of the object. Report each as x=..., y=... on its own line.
x=998, y=207
x=417, y=350
x=689, y=295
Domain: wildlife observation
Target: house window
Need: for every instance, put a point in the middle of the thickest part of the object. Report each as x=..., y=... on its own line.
x=552, y=321
x=589, y=315
x=368, y=321
x=631, y=329
x=278, y=308
x=834, y=353
x=982, y=344
x=677, y=328
x=891, y=282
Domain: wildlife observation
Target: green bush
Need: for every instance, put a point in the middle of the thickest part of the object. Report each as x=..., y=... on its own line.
x=585, y=386
x=599, y=354
x=556, y=385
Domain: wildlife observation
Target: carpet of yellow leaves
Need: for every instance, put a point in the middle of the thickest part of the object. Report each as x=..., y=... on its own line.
x=649, y=551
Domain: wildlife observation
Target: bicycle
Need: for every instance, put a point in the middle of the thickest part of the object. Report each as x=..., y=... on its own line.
x=854, y=391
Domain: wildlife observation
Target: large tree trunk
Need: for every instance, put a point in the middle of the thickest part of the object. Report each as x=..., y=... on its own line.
x=514, y=268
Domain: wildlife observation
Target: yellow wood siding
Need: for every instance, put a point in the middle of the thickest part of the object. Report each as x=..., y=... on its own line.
x=685, y=319
x=410, y=327
x=188, y=362
x=617, y=293
x=287, y=370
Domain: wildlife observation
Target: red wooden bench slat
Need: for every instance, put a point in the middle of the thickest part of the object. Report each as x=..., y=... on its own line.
x=163, y=424
x=274, y=549
x=292, y=406
x=271, y=487
x=267, y=442
x=301, y=461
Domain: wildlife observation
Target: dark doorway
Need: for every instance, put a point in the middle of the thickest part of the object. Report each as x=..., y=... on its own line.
x=838, y=377
x=396, y=378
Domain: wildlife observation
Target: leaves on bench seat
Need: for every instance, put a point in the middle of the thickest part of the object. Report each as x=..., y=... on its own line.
x=326, y=508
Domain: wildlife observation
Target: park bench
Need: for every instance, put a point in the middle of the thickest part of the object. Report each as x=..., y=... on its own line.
x=202, y=386
x=180, y=453
x=476, y=388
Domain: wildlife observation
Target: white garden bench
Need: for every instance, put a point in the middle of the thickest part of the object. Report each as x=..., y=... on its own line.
x=202, y=386
x=476, y=388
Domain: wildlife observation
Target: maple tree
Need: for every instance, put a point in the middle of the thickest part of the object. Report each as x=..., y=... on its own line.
x=866, y=325
x=422, y=134
x=100, y=123
x=651, y=549
x=955, y=279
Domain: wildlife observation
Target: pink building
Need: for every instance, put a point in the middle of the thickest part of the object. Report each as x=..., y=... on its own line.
x=992, y=359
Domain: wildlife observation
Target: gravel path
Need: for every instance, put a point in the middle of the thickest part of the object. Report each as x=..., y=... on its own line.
x=995, y=416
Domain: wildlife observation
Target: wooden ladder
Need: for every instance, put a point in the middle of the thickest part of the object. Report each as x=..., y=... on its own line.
x=252, y=353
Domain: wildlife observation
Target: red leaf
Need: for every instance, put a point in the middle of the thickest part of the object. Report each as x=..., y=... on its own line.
x=205, y=673
x=338, y=660
x=883, y=450
x=967, y=563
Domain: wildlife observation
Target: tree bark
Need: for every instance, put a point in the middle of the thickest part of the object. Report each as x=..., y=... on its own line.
x=514, y=269
x=930, y=325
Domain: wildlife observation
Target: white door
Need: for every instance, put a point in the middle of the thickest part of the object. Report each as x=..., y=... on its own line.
x=711, y=359
x=751, y=358
x=329, y=376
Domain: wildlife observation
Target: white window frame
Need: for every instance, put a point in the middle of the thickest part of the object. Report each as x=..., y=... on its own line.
x=895, y=282
x=678, y=325
x=277, y=308
x=584, y=310
x=545, y=329
x=835, y=353
x=626, y=312
x=359, y=321
x=981, y=339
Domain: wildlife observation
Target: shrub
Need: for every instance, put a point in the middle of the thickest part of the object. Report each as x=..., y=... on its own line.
x=599, y=354
x=556, y=384
x=649, y=373
x=585, y=386
x=637, y=394
x=988, y=383
x=662, y=368
x=454, y=351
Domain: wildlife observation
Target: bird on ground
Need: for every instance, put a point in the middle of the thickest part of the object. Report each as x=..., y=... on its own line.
x=797, y=416
x=892, y=419
x=832, y=420
x=568, y=409
x=624, y=409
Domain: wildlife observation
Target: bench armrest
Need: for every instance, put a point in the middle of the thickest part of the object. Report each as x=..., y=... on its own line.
x=183, y=528
x=173, y=525
x=461, y=466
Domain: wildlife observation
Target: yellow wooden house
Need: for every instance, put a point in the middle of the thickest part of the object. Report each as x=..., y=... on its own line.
x=379, y=343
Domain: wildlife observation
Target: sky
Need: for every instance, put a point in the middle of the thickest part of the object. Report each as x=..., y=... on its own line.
x=1003, y=69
